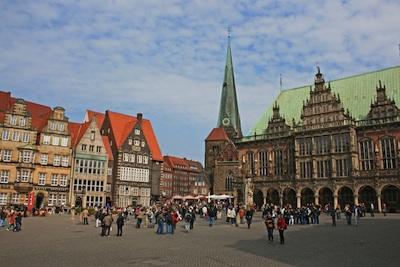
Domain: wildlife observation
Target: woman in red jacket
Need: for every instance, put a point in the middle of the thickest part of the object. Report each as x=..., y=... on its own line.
x=282, y=226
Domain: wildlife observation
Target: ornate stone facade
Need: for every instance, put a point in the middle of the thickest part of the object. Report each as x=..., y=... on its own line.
x=326, y=157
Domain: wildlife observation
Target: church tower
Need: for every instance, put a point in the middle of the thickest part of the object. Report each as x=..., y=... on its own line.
x=221, y=155
x=229, y=118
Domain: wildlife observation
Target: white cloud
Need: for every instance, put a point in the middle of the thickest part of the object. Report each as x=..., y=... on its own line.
x=170, y=55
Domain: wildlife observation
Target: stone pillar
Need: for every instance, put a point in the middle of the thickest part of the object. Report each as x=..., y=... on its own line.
x=379, y=203
x=298, y=200
x=356, y=200
x=281, y=200
x=335, y=201
x=316, y=199
x=265, y=197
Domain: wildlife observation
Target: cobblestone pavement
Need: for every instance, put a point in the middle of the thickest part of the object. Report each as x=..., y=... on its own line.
x=63, y=241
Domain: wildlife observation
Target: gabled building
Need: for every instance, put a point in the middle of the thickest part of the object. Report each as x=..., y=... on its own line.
x=35, y=153
x=332, y=143
x=137, y=159
x=91, y=156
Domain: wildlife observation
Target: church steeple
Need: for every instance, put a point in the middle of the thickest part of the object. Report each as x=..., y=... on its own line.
x=229, y=117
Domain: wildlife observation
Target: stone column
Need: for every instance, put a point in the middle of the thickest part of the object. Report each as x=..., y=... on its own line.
x=298, y=200
x=356, y=200
x=379, y=203
x=335, y=201
x=316, y=199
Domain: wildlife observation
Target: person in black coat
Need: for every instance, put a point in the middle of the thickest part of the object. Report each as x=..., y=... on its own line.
x=120, y=223
x=249, y=216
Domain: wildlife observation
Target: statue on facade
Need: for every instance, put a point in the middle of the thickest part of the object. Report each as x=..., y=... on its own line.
x=249, y=189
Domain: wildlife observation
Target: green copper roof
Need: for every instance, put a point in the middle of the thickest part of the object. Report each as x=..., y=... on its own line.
x=229, y=110
x=356, y=93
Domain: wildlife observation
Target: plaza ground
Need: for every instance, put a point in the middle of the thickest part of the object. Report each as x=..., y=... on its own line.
x=64, y=241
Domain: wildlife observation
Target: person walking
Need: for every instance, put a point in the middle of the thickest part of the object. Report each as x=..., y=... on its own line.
x=107, y=222
x=333, y=216
x=140, y=217
x=347, y=211
x=282, y=226
x=160, y=222
x=249, y=216
x=187, y=218
x=120, y=223
x=384, y=209
x=168, y=220
x=372, y=209
x=11, y=220
x=212, y=215
x=85, y=215
x=269, y=223
x=231, y=214
x=193, y=217
x=242, y=213
x=18, y=222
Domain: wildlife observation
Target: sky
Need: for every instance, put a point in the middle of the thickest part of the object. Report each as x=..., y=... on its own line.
x=166, y=59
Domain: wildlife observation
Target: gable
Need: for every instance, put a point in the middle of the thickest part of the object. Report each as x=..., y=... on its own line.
x=355, y=92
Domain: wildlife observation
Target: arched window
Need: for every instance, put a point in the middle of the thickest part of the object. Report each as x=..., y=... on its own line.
x=229, y=183
x=263, y=156
x=388, y=147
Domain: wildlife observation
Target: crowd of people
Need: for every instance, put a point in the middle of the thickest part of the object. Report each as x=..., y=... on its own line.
x=11, y=219
x=167, y=216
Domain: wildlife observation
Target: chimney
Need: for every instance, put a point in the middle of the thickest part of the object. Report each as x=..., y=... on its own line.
x=139, y=116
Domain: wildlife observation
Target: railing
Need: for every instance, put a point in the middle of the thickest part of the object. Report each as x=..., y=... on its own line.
x=378, y=121
x=260, y=137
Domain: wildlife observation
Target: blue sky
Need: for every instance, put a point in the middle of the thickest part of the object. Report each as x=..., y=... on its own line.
x=166, y=58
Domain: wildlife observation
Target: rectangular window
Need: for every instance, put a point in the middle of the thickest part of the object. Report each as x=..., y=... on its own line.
x=139, y=158
x=7, y=155
x=52, y=199
x=84, y=147
x=4, y=176
x=143, y=143
x=54, y=180
x=3, y=198
x=366, y=155
x=46, y=139
x=65, y=161
x=56, y=160
x=44, y=159
x=56, y=141
x=5, y=135
x=388, y=148
x=42, y=179
x=27, y=156
x=137, y=132
x=15, y=136
x=25, y=175
x=342, y=143
x=92, y=135
x=63, y=180
x=145, y=159
x=13, y=120
x=129, y=141
x=263, y=157
x=25, y=137
x=342, y=167
x=61, y=127
x=91, y=148
x=109, y=171
x=64, y=141
x=22, y=122
x=136, y=142
x=132, y=158
x=98, y=149
x=125, y=157
x=323, y=144
x=15, y=198
x=278, y=162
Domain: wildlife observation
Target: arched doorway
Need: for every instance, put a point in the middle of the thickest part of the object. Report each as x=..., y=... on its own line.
x=289, y=197
x=391, y=197
x=325, y=196
x=307, y=196
x=273, y=196
x=345, y=196
x=258, y=199
x=78, y=202
x=39, y=203
x=367, y=195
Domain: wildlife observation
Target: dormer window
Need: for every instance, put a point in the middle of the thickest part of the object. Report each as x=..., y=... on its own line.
x=136, y=143
x=13, y=120
x=130, y=141
x=61, y=127
x=137, y=132
x=22, y=122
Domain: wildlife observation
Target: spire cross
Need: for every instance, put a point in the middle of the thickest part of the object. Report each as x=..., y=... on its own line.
x=229, y=33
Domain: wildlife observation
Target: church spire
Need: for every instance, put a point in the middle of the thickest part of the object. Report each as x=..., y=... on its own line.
x=229, y=117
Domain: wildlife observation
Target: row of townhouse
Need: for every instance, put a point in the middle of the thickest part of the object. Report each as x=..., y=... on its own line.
x=45, y=160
